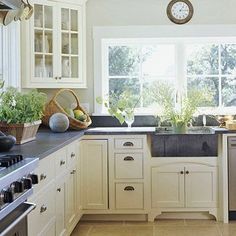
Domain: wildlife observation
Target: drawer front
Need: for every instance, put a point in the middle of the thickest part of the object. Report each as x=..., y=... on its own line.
x=129, y=196
x=44, y=211
x=72, y=154
x=45, y=172
x=61, y=161
x=128, y=165
x=129, y=143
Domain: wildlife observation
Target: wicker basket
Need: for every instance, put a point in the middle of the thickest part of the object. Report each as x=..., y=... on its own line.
x=53, y=107
x=23, y=132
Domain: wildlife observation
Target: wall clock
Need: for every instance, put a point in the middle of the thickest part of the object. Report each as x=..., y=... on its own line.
x=180, y=11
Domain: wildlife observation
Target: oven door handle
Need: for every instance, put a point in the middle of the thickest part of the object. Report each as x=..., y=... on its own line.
x=32, y=206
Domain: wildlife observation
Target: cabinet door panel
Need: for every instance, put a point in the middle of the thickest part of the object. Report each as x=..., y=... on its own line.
x=94, y=169
x=168, y=186
x=201, y=186
x=60, y=208
x=70, y=197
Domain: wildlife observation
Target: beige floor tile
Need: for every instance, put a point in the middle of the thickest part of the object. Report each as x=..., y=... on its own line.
x=81, y=230
x=200, y=222
x=121, y=231
x=186, y=231
x=100, y=223
x=163, y=222
x=227, y=229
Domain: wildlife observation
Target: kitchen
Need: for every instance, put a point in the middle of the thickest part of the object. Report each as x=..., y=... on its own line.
x=110, y=179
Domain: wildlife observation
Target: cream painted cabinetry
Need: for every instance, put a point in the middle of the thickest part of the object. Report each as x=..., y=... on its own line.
x=127, y=173
x=178, y=185
x=53, y=45
x=94, y=174
x=58, y=206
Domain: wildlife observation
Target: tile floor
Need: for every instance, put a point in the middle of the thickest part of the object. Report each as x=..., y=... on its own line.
x=157, y=228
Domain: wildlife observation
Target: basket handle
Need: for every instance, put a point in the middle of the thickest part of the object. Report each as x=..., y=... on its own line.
x=68, y=90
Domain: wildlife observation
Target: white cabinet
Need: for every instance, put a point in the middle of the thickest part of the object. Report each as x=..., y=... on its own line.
x=184, y=185
x=53, y=45
x=94, y=174
x=168, y=186
x=56, y=197
x=201, y=186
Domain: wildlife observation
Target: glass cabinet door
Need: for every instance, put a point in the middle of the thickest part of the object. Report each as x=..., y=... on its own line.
x=70, y=37
x=43, y=41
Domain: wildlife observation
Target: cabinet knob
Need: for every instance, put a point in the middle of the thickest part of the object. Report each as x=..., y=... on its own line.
x=129, y=188
x=72, y=155
x=59, y=190
x=181, y=172
x=43, y=176
x=72, y=172
x=128, y=144
x=187, y=172
x=128, y=158
x=62, y=163
x=43, y=208
x=59, y=77
x=56, y=78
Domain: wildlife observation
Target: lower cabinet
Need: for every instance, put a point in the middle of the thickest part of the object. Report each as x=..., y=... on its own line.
x=94, y=174
x=184, y=185
x=57, y=210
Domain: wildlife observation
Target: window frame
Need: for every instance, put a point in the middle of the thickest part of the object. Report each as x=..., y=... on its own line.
x=106, y=36
x=10, y=52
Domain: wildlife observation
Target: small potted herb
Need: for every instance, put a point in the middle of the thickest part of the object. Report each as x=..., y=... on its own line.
x=21, y=113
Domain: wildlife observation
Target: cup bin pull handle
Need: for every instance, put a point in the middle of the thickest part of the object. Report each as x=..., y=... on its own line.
x=129, y=188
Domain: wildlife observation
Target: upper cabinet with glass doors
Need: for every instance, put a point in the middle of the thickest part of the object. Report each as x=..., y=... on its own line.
x=53, y=45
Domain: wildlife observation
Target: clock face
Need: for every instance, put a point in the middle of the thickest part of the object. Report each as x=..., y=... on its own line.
x=180, y=11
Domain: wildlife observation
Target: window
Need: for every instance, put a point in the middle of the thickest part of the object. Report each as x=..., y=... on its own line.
x=213, y=66
x=137, y=67
x=187, y=63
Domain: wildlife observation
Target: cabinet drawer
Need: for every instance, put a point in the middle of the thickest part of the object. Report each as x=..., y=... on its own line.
x=128, y=165
x=61, y=161
x=44, y=211
x=45, y=172
x=129, y=143
x=129, y=196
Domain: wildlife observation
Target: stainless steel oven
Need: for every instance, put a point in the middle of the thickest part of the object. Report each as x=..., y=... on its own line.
x=16, y=185
x=15, y=223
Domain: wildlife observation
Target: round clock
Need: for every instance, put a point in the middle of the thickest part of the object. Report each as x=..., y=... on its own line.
x=180, y=11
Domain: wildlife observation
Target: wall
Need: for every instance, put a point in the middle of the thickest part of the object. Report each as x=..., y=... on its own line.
x=145, y=12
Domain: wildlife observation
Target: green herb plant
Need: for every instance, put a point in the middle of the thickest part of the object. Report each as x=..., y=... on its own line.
x=19, y=108
x=181, y=111
x=120, y=106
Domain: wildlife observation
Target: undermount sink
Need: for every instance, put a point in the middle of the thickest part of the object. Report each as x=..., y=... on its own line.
x=190, y=130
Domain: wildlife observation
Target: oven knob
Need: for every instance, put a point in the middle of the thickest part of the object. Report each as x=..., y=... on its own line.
x=27, y=183
x=18, y=186
x=8, y=196
x=34, y=178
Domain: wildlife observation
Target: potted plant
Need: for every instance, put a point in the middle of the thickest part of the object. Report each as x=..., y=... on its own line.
x=178, y=111
x=20, y=113
x=121, y=106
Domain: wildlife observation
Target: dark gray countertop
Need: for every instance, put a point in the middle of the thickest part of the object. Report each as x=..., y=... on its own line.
x=46, y=143
x=152, y=130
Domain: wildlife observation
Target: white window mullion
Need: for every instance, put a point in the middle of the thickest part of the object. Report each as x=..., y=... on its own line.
x=181, y=80
x=220, y=75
